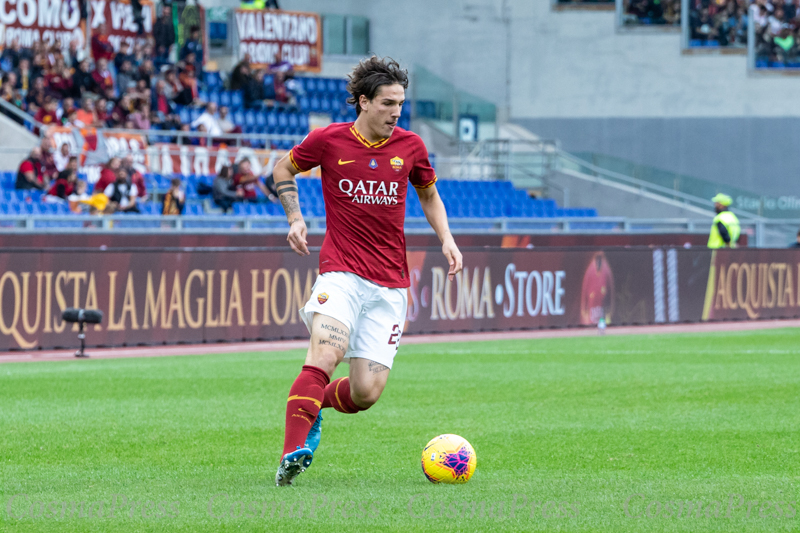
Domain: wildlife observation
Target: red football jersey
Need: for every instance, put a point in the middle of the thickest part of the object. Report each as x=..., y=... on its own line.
x=364, y=186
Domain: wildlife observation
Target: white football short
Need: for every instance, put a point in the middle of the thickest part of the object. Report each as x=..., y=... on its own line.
x=375, y=315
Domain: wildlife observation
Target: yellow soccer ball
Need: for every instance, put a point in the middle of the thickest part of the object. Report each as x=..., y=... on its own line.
x=448, y=459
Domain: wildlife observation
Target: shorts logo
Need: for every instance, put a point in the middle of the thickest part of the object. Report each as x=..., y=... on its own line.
x=322, y=298
x=396, y=163
x=373, y=164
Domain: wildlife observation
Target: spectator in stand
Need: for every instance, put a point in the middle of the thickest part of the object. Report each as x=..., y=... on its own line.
x=10, y=79
x=123, y=55
x=174, y=199
x=173, y=86
x=80, y=198
x=12, y=96
x=193, y=45
x=246, y=181
x=101, y=110
x=164, y=34
x=188, y=79
x=59, y=80
x=62, y=157
x=82, y=80
x=125, y=77
x=209, y=120
x=253, y=93
x=121, y=111
x=34, y=99
x=141, y=116
x=122, y=194
x=161, y=103
x=102, y=76
x=29, y=175
x=652, y=12
x=47, y=114
x=240, y=75
x=64, y=185
x=24, y=75
x=49, y=169
x=75, y=54
x=146, y=73
x=101, y=47
x=70, y=119
x=108, y=175
x=86, y=116
x=38, y=65
x=785, y=48
x=12, y=54
x=225, y=193
x=67, y=106
x=225, y=123
x=134, y=176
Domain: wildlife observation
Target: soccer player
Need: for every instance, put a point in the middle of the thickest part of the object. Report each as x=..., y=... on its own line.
x=358, y=304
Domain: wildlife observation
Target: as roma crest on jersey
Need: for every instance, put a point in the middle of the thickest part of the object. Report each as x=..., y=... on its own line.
x=396, y=163
x=322, y=297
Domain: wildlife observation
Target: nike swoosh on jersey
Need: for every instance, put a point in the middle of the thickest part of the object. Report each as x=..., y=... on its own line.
x=346, y=162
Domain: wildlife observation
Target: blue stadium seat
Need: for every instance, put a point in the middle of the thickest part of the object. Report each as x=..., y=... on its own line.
x=225, y=99
x=250, y=117
x=213, y=97
x=237, y=100
x=184, y=115
x=202, y=95
x=238, y=117
x=195, y=112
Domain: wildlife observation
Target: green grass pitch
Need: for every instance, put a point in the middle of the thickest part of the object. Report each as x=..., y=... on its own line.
x=694, y=432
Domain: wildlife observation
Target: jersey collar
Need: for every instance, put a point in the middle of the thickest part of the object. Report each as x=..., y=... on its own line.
x=364, y=141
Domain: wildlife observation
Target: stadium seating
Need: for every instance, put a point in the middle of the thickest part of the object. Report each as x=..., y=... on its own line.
x=463, y=199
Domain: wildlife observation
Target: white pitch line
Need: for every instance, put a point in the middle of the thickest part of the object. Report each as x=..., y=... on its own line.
x=220, y=348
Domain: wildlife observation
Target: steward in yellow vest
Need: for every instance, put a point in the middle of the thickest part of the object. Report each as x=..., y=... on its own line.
x=725, y=229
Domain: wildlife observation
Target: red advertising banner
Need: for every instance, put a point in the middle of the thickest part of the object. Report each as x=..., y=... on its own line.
x=117, y=15
x=41, y=20
x=209, y=295
x=271, y=36
x=196, y=296
x=752, y=284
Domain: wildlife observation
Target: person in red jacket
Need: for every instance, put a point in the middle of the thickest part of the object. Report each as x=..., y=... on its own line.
x=101, y=47
x=135, y=176
x=64, y=185
x=108, y=175
x=102, y=76
x=48, y=114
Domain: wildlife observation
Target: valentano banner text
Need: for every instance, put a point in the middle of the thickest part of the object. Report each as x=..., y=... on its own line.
x=195, y=295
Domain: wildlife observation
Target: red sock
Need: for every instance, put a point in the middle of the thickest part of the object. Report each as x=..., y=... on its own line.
x=302, y=408
x=337, y=395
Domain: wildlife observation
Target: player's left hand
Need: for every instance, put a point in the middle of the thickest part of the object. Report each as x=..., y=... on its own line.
x=450, y=251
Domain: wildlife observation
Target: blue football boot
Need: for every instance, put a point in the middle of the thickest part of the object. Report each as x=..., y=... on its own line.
x=315, y=434
x=292, y=465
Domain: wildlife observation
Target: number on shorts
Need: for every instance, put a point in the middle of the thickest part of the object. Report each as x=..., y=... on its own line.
x=394, y=338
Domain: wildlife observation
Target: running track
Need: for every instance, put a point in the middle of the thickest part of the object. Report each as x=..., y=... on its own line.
x=204, y=349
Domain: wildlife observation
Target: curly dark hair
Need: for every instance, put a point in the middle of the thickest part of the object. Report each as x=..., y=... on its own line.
x=372, y=73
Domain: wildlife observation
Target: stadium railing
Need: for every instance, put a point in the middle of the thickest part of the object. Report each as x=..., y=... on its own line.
x=747, y=203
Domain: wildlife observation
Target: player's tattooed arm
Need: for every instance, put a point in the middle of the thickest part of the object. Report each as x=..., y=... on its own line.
x=377, y=368
x=286, y=187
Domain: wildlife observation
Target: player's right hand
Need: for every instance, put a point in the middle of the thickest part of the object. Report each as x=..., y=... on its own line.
x=297, y=237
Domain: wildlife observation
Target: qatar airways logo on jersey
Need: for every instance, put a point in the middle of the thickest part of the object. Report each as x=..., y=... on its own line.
x=370, y=191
